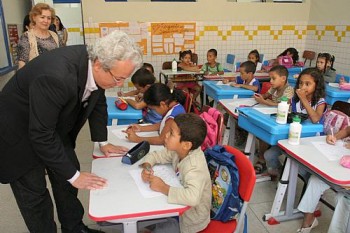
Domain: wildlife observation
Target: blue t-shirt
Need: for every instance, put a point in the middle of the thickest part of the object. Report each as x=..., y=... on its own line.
x=254, y=82
x=151, y=116
x=172, y=113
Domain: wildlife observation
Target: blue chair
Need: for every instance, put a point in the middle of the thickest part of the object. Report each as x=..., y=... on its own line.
x=238, y=64
x=347, y=78
x=230, y=61
x=261, y=57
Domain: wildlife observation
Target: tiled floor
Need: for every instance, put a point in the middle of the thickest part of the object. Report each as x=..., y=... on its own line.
x=261, y=202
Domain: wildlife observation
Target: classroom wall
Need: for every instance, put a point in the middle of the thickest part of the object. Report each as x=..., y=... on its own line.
x=331, y=23
x=229, y=27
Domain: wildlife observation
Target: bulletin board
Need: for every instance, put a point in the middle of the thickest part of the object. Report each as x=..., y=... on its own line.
x=136, y=30
x=171, y=38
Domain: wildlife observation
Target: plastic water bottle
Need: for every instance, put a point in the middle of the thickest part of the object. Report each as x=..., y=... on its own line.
x=282, y=111
x=174, y=66
x=295, y=131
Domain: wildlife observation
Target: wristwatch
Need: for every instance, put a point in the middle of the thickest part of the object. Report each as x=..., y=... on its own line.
x=102, y=143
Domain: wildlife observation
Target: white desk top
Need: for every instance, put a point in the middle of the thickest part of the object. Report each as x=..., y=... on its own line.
x=230, y=105
x=307, y=154
x=120, y=140
x=122, y=200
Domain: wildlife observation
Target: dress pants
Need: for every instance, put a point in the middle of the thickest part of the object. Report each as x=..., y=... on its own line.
x=35, y=204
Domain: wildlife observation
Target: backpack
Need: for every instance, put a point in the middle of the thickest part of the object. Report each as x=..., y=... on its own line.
x=285, y=61
x=335, y=120
x=210, y=118
x=226, y=202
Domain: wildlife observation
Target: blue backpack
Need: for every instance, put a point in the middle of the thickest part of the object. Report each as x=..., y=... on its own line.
x=226, y=202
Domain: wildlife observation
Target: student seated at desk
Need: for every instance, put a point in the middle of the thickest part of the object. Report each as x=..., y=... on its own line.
x=315, y=189
x=324, y=63
x=142, y=80
x=309, y=93
x=212, y=67
x=187, y=65
x=254, y=56
x=166, y=103
x=183, y=151
x=246, y=80
x=279, y=88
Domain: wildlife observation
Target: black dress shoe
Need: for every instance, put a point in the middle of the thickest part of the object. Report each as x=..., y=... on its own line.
x=88, y=230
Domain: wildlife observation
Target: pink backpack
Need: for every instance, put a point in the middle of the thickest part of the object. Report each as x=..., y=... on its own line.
x=335, y=120
x=285, y=61
x=210, y=119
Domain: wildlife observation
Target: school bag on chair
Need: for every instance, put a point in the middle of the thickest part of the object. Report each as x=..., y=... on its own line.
x=285, y=61
x=210, y=118
x=226, y=202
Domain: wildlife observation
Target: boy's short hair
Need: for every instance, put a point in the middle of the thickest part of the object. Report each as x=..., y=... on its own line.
x=192, y=129
x=149, y=66
x=249, y=66
x=213, y=51
x=143, y=77
x=280, y=70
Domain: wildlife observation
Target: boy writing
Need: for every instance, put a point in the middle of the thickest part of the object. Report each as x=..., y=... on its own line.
x=142, y=80
x=279, y=87
x=183, y=150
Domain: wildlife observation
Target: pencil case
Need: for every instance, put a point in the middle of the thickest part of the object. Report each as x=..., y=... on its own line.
x=136, y=153
x=345, y=161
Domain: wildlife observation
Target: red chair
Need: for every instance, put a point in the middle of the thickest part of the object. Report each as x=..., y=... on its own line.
x=188, y=101
x=246, y=187
x=265, y=86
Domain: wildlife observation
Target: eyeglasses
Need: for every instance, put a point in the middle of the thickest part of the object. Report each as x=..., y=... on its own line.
x=114, y=78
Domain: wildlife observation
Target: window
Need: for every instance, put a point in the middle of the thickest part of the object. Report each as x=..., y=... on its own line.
x=5, y=59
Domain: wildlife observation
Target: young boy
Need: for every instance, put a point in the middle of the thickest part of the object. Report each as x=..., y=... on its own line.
x=183, y=150
x=279, y=87
x=247, y=80
x=142, y=80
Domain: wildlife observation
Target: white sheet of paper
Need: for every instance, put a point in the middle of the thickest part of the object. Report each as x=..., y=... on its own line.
x=333, y=84
x=121, y=135
x=331, y=152
x=165, y=172
x=221, y=83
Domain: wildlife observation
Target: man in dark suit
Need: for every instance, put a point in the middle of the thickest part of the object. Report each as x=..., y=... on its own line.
x=42, y=109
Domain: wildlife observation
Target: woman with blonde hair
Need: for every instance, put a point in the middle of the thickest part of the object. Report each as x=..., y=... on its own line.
x=39, y=38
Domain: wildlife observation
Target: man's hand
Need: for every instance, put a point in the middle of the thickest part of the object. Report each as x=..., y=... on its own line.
x=89, y=181
x=111, y=149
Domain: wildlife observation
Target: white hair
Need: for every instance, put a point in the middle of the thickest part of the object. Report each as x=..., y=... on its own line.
x=116, y=46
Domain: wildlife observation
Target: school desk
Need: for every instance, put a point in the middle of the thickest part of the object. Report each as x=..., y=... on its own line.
x=128, y=116
x=218, y=92
x=117, y=137
x=167, y=73
x=333, y=93
x=121, y=201
x=306, y=156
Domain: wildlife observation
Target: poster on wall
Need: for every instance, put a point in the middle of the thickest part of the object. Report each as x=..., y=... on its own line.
x=13, y=41
x=136, y=30
x=171, y=38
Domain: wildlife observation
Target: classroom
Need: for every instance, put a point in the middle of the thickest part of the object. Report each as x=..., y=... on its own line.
x=164, y=28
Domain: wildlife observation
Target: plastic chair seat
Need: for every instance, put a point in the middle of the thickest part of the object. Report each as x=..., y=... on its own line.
x=222, y=227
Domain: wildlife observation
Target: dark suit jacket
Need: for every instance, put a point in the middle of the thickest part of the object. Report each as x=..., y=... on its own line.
x=41, y=114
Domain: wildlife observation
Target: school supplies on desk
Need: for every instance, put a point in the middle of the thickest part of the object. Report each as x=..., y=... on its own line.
x=121, y=103
x=136, y=153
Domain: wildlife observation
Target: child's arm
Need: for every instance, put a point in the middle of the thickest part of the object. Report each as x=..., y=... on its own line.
x=157, y=140
x=135, y=104
x=130, y=93
x=227, y=80
x=264, y=99
x=314, y=116
x=245, y=86
x=189, y=68
x=331, y=139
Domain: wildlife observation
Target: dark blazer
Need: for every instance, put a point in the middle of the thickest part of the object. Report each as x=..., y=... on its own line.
x=41, y=114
